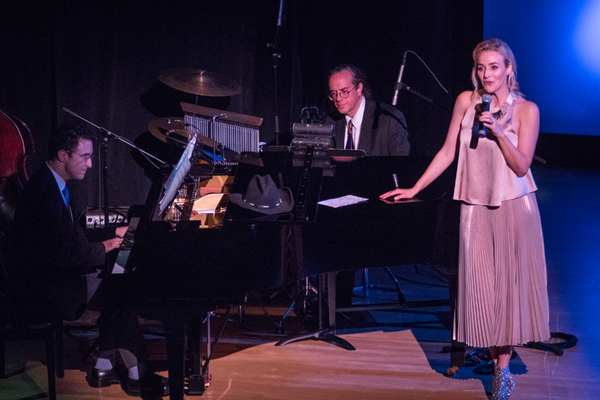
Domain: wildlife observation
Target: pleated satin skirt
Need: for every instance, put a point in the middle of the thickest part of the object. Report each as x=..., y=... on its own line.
x=502, y=286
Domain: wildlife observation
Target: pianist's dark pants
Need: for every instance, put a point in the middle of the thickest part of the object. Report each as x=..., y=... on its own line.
x=119, y=328
x=118, y=324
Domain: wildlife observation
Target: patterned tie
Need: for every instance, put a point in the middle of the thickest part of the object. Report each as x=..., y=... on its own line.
x=65, y=194
x=350, y=141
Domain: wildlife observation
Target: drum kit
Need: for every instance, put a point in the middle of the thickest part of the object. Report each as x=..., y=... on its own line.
x=195, y=81
x=209, y=204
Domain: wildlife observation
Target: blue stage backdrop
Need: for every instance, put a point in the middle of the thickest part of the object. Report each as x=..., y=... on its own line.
x=557, y=46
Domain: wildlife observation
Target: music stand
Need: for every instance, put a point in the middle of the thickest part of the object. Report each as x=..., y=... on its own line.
x=323, y=334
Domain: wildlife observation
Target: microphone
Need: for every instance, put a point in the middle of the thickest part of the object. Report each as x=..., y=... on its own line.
x=280, y=13
x=479, y=131
x=399, y=83
x=486, y=100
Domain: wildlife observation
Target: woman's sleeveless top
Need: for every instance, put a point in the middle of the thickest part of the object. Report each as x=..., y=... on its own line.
x=482, y=175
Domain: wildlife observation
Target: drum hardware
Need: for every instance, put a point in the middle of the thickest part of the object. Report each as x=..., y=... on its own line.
x=175, y=130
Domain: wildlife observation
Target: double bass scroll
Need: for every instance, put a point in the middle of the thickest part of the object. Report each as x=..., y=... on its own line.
x=16, y=143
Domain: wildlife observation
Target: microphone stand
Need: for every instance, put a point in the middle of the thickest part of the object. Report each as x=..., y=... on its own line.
x=104, y=179
x=276, y=56
x=104, y=158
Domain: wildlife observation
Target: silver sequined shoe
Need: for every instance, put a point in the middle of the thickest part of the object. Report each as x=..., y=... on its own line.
x=502, y=383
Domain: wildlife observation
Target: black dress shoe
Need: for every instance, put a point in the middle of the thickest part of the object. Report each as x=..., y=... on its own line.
x=149, y=384
x=103, y=377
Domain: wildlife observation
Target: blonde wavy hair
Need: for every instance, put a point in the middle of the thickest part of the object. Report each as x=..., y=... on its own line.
x=502, y=48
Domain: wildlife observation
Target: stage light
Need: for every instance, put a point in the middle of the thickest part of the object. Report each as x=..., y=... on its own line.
x=587, y=36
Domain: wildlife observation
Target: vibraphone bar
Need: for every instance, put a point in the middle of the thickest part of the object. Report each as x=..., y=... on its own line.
x=234, y=131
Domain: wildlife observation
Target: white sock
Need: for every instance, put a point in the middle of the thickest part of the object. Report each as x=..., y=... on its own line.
x=134, y=373
x=103, y=363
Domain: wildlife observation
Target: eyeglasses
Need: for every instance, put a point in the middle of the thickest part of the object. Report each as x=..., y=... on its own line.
x=342, y=94
x=85, y=157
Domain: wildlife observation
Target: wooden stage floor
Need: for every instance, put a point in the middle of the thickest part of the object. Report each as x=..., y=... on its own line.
x=399, y=354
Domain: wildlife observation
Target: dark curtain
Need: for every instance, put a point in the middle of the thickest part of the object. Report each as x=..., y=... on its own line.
x=102, y=59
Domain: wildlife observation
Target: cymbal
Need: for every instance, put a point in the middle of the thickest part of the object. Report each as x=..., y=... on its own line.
x=175, y=129
x=201, y=82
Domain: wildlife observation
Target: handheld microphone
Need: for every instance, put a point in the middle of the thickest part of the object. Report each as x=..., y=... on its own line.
x=486, y=100
x=479, y=131
x=399, y=83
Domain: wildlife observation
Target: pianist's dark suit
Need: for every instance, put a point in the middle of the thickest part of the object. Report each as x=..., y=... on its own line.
x=53, y=255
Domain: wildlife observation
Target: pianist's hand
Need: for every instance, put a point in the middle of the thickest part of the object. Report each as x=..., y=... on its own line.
x=399, y=194
x=112, y=244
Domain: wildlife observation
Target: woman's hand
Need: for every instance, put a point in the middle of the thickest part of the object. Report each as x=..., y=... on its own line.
x=399, y=194
x=491, y=124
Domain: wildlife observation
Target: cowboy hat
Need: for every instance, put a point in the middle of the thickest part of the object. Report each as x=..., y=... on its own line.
x=263, y=196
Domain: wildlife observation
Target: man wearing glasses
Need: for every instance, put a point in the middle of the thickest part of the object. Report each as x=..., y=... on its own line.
x=377, y=128
x=52, y=257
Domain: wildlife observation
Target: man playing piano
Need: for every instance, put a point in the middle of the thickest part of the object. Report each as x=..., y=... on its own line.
x=53, y=257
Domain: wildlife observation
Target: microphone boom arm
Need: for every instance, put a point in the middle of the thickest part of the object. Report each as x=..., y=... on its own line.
x=114, y=135
x=399, y=85
x=409, y=89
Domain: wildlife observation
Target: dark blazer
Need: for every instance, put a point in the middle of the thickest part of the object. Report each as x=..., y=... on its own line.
x=383, y=131
x=52, y=252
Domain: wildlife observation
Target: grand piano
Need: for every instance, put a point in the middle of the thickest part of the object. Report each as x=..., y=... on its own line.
x=181, y=271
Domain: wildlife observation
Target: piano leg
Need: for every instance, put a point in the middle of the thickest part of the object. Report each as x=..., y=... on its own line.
x=175, y=320
x=196, y=380
x=175, y=338
x=200, y=374
x=331, y=299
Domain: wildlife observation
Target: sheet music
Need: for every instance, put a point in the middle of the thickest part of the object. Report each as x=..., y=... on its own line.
x=343, y=201
x=177, y=175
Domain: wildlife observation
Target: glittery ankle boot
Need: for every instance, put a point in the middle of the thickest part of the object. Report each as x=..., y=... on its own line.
x=502, y=383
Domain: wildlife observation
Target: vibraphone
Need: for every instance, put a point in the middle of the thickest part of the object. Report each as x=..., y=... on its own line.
x=237, y=132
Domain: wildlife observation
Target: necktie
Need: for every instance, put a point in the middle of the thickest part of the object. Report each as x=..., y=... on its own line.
x=350, y=141
x=65, y=193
